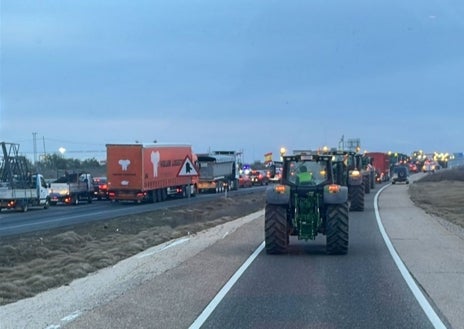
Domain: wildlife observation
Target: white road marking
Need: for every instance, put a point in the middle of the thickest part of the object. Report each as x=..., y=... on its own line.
x=71, y=316
x=68, y=318
x=221, y=294
x=170, y=245
x=423, y=302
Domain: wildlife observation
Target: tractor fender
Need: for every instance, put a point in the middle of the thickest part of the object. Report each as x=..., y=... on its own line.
x=336, y=198
x=355, y=180
x=277, y=198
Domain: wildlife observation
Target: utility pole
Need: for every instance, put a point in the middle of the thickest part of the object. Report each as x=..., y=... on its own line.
x=341, y=143
x=34, y=144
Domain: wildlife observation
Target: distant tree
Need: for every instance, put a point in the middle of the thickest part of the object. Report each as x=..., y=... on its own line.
x=91, y=163
x=258, y=165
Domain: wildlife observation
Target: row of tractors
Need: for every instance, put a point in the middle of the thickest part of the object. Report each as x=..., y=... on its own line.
x=337, y=184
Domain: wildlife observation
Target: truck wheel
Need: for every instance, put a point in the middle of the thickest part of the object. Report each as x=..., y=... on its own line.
x=357, y=197
x=157, y=195
x=89, y=199
x=164, y=194
x=337, y=229
x=47, y=204
x=276, y=231
x=185, y=192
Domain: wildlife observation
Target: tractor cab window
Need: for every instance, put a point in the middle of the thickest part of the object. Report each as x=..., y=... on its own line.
x=307, y=172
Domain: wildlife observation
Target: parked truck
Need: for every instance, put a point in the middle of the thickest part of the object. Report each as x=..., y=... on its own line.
x=19, y=188
x=381, y=163
x=72, y=188
x=150, y=172
x=218, y=171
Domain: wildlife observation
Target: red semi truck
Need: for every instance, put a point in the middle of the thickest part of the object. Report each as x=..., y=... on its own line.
x=150, y=172
x=381, y=163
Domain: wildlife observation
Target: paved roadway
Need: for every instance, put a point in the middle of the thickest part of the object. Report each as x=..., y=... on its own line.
x=13, y=222
x=170, y=285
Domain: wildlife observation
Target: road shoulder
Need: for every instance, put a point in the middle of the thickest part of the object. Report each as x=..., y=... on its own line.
x=432, y=251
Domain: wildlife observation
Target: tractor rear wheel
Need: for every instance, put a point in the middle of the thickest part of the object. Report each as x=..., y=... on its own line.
x=357, y=197
x=276, y=231
x=337, y=229
x=367, y=184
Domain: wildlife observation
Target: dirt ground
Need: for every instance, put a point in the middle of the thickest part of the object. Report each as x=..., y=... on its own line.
x=34, y=263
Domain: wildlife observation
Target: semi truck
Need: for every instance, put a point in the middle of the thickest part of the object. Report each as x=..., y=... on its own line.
x=19, y=188
x=150, y=173
x=381, y=162
x=218, y=171
x=72, y=188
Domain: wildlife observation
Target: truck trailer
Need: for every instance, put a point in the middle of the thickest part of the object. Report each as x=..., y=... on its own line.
x=381, y=163
x=218, y=171
x=19, y=189
x=150, y=172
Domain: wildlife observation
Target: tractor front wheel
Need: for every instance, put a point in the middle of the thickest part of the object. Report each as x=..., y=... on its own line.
x=276, y=231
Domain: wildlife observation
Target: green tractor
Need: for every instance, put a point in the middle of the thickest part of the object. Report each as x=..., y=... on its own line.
x=357, y=182
x=309, y=200
x=348, y=170
x=368, y=175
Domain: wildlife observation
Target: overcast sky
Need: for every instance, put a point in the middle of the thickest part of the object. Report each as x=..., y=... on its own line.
x=232, y=75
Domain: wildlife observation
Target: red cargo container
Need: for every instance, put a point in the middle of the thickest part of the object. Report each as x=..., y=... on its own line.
x=381, y=163
x=150, y=172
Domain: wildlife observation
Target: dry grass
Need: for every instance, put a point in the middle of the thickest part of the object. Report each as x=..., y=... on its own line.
x=34, y=263
x=441, y=194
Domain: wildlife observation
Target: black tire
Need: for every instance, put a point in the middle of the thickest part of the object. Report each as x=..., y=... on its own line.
x=25, y=207
x=275, y=229
x=367, y=185
x=357, y=197
x=158, y=196
x=164, y=194
x=337, y=229
x=47, y=204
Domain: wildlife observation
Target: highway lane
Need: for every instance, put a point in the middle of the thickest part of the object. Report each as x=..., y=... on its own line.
x=304, y=289
x=170, y=286
x=13, y=223
x=309, y=289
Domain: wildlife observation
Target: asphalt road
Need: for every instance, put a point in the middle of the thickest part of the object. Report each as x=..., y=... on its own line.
x=169, y=286
x=308, y=289
x=12, y=222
